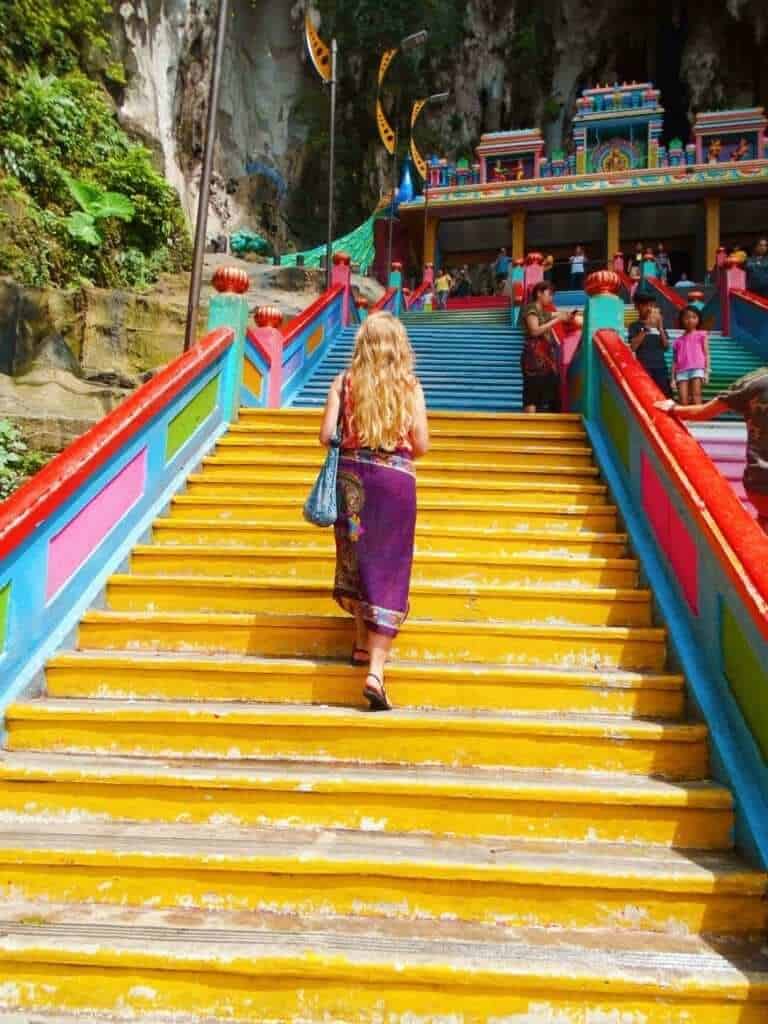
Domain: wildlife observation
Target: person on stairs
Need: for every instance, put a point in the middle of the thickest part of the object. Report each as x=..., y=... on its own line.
x=540, y=357
x=648, y=340
x=690, y=359
x=747, y=396
x=379, y=404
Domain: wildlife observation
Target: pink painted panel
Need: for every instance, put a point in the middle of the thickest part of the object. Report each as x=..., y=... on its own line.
x=73, y=544
x=684, y=558
x=655, y=501
x=671, y=533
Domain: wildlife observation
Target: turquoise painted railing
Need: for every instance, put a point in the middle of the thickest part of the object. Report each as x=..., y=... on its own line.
x=705, y=558
x=749, y=321
x=69, y=527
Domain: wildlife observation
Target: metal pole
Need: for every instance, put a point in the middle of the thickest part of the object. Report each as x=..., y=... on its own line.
x=426, y=222
x=205, y=177
x=392, y=211
x=331, y=168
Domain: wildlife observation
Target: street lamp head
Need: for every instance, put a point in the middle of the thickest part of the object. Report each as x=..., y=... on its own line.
x=416, y=39
x=438, y=97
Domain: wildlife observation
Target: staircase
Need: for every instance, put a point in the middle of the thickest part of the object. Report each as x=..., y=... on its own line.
x=451, y=348
x=201, y=823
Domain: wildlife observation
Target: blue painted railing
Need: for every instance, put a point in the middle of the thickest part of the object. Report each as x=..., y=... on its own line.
x=69, y=527
x=705, y=558
x=749, y=321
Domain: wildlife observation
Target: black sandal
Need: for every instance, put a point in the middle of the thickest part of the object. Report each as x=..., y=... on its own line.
x=355, y=660
x=376, y=697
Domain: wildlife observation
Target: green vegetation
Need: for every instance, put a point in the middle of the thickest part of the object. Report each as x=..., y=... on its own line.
x=78, y=199
x=17, y=460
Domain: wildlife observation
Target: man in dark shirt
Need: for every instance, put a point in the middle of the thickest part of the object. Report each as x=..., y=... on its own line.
x=747, y=396
x=648, y=340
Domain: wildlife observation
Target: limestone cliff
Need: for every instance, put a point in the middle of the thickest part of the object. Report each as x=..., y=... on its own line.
x=507, y=63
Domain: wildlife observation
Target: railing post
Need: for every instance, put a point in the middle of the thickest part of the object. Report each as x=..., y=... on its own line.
x=342, y=274
x=396, y=282
x=268, y=334
x=732, y=277
x=534, y=271
x=229, y=308
x=604, y=309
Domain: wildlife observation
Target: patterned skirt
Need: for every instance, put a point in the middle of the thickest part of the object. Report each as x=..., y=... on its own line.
x=374, y=536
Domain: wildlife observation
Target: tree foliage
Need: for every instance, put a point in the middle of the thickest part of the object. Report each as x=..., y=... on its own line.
x=121, y=224
x=17, y=460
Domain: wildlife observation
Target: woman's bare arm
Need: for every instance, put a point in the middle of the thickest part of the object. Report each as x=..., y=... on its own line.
x=704, y=411
x=535, y=329
x=331, y=412
x=420, y=432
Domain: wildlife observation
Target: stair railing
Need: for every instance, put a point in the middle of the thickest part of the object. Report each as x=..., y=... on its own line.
x=71, y=525
x=703, y=555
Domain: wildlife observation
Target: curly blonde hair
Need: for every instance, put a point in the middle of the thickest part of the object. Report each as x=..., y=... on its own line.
x=382, y=383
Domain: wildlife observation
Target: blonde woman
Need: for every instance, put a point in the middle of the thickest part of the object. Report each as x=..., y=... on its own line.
x=383, y=429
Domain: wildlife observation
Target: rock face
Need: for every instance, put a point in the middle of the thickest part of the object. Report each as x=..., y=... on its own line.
x=166, y=46
x=518, y=64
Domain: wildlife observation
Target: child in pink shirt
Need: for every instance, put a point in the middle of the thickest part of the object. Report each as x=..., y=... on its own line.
x=690, y=359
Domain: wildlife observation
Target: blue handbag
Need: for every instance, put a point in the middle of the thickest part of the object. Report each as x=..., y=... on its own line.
x=321, y=507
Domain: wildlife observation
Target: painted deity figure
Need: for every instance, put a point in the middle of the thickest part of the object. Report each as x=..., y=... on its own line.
x=498, y=173
x=615, y=161
x=519, y=171
x=741, y=152
x=713, y=151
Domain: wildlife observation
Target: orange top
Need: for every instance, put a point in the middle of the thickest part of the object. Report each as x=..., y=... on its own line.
x=349, y=439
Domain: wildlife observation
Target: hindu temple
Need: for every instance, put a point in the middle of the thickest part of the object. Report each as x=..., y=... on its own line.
x=619, y=181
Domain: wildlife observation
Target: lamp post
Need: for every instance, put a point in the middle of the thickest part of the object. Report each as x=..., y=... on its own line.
x=205, y=177
x=418, y=160
x=388, y=134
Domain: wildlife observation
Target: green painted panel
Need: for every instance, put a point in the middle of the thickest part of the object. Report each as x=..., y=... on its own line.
x=195, y=412
x=615, y=424
x=5, y=600
x=748, y=678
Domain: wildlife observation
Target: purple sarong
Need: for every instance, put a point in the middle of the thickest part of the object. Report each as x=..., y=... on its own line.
x=374, y=536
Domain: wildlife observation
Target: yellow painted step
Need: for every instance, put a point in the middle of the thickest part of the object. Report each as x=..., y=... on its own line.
x=442, y=452
x=506, y=643
x=441, y=424
x=239, y=967
x=516, y=513
x=544, y=805
x=374, y=875
x=466, y=470
x=480, y=687
x=458, y=601
x=429, y=566
x=265, y=533
x=547, y=492
x=345, y=735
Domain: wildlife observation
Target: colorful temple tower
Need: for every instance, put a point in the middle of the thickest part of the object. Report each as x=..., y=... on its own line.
x=618, y=182
x=617, y=128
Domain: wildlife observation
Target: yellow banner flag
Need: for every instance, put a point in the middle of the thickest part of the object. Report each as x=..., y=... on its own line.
x=386, y=59
x=418, y=160
x=318, y=51
x=385, y=129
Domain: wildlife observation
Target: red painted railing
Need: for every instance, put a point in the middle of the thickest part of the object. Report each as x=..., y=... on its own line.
x=307, y=315
x=415, y=295
x=747, y=296
x=385, y=298
x=739, y=543
x=34, y=501
x=670, y=294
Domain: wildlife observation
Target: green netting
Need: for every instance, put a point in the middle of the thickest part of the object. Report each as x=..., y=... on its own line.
x=358, y=243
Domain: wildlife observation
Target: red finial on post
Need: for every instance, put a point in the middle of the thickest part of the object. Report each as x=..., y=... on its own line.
x=268, y=316
x=603, y=282
x=232, y=280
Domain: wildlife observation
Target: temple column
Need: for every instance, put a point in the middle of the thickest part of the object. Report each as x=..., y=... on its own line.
x=517, y=226
x=430, y=239
x=612, y=231
x=712, y=224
